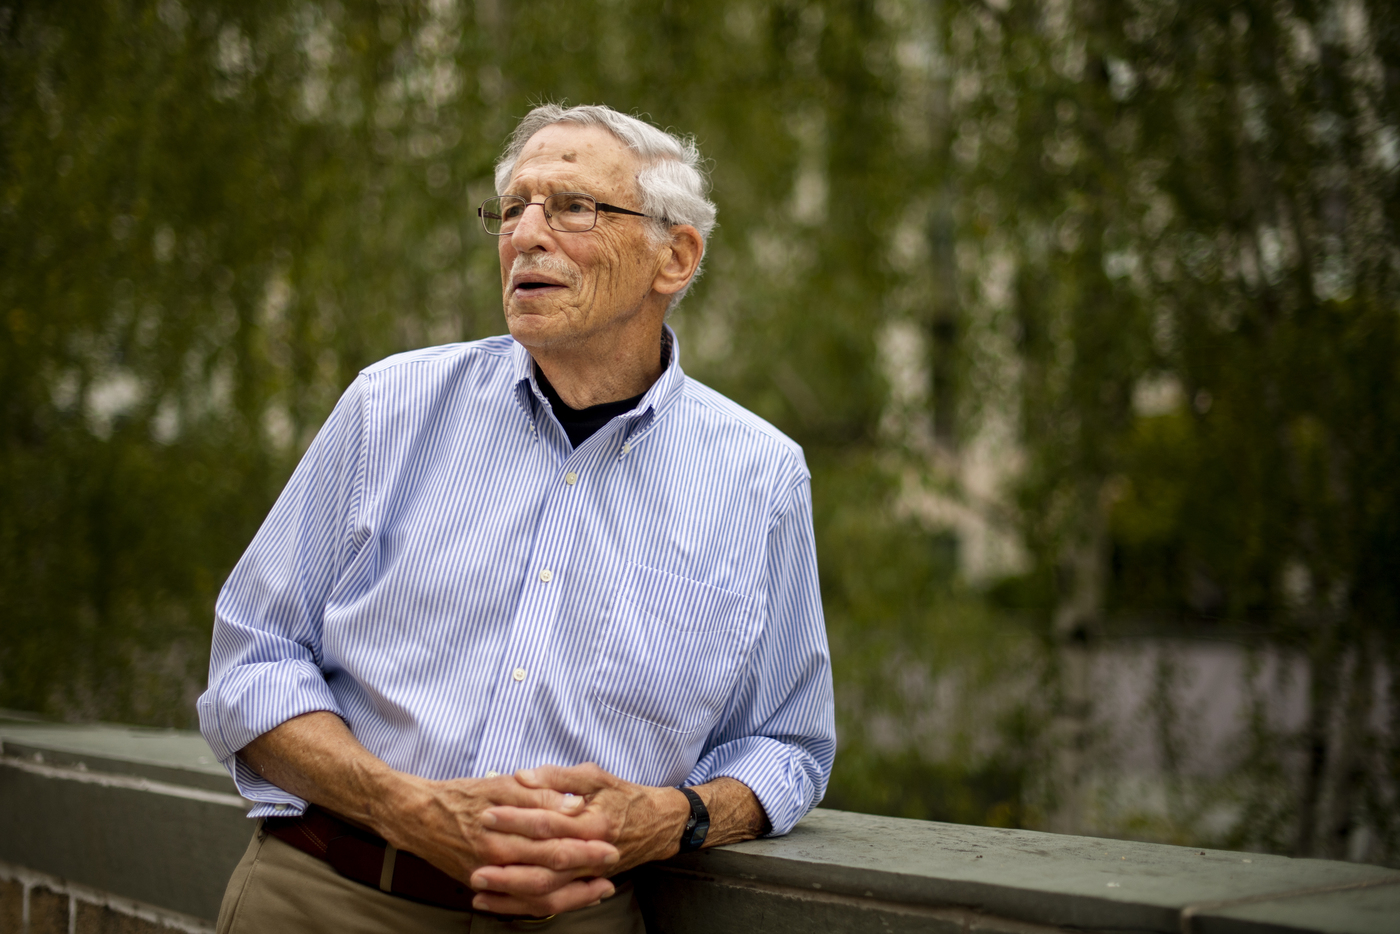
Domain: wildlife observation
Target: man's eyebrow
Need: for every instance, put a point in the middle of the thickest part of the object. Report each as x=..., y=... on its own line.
x=545, y=189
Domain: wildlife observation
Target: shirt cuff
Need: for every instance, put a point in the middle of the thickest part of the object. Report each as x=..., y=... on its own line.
x=779, y=774
x=268, y=800
x=254, y=698
x=237, y=711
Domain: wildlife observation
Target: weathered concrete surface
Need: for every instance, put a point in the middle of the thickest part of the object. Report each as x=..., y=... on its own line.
x=178, y=756
x=1370, y=909
x=1046, y=879
x=81, y=910
x=150, y=827
x=149, y=815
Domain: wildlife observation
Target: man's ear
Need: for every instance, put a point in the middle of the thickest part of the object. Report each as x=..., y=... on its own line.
x=679, y=266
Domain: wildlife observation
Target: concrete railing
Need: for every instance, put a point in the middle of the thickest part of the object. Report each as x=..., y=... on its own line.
x=102, y=820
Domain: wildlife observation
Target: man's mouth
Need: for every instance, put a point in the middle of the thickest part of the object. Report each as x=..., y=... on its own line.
x=537, y=277
x=534, y=284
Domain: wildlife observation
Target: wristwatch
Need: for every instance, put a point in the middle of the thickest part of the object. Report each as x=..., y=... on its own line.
x=697, y=825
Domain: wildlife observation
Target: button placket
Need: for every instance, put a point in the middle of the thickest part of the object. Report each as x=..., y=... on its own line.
x=524, y=655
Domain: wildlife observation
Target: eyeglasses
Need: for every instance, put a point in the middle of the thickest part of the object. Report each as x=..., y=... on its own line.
x=566, y=211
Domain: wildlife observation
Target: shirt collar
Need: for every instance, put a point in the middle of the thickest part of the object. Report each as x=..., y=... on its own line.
x=660, y=397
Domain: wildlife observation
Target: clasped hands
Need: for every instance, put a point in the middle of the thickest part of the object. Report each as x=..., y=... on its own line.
x=544, y=840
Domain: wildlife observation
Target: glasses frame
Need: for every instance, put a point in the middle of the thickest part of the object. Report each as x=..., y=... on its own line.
x=597, y=205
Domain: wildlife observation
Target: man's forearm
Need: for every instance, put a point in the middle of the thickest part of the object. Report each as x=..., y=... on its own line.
x=735, y=815
x=316, y=757
x=735, y=812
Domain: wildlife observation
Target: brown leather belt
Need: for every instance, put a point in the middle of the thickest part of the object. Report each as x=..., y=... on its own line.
x=366, y=858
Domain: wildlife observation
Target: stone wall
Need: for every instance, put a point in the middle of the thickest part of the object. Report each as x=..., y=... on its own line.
x=106, y=828
x=39, y=903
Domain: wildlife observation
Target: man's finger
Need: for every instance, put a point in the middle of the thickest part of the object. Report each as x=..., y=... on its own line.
x=523, y=881
x=577, y=894
x=583, y=779
x=540, y=824
x=563, y=855
x=511, y=792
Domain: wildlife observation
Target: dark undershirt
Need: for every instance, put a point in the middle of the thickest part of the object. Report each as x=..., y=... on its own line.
x=580, y=424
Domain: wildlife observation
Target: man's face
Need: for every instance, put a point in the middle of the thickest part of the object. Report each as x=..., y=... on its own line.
x=562, y=288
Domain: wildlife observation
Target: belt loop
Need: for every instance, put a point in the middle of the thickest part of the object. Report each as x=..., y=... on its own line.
x=386, y=875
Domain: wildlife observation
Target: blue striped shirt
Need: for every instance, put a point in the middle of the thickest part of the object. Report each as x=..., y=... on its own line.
x=473, y=595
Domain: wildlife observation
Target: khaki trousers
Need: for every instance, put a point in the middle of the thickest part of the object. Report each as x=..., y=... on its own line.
x=277, y=888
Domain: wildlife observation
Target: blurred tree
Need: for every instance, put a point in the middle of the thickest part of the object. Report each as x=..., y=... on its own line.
x=1132, y=261
x=215, y=214
x=1183, y=217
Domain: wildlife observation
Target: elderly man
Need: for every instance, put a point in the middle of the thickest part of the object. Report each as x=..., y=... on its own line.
x=532, y=610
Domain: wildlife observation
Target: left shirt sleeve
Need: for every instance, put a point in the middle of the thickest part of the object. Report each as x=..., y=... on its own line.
x=778, y=735
x=266, y=660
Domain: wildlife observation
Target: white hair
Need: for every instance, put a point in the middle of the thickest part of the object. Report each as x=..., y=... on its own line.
x=672, y=184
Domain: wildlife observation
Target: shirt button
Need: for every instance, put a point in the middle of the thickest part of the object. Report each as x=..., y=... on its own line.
x=279, y=807
x=627, y=449
x=546, y=575
x=518, y=674
x=493, y=774
x=571, y=478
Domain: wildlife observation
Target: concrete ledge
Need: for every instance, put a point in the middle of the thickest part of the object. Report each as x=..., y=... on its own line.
x=853, y=866
x=148, y=818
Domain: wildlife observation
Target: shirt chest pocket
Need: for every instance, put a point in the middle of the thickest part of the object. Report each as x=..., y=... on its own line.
x=671, y=650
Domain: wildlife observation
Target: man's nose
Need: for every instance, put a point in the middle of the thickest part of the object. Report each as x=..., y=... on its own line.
x=532, y=229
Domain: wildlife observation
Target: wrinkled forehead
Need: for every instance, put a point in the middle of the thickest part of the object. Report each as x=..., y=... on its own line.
x=562, y=155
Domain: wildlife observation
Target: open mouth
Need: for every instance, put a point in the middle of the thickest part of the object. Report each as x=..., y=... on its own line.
x=535, y=283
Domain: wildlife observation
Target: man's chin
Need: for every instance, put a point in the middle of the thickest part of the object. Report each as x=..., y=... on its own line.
x=538, y=328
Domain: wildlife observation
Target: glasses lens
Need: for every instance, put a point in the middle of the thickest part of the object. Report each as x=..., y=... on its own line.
x=571, y=211
x=500, y=215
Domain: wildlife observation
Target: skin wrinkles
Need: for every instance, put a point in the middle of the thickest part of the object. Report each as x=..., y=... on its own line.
x=594, y=335
x=544, y=263
x=546, y=839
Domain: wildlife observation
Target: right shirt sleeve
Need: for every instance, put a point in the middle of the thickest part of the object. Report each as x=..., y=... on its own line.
x=266, y=658
x=779, y=735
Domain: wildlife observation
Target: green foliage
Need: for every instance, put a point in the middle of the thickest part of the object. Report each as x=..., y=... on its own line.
x=1151, y=244
x=902, y=625
x=215, y=214
x=1184, y=218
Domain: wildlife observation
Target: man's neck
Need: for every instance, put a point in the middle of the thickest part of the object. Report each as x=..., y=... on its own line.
x=583, y=378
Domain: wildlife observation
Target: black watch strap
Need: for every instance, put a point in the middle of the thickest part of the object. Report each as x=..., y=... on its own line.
x=697, y=826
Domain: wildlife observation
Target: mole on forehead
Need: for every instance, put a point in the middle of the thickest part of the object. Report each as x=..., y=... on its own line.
x=570, y=156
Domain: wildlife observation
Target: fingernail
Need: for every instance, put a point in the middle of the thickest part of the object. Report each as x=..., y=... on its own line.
x=488, y=819
x=570, y=802
x=611, y=858
x=527, y=774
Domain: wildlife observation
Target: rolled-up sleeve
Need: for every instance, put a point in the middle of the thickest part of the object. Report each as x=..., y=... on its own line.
x=266, y=660
x=778, y=735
